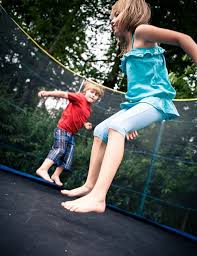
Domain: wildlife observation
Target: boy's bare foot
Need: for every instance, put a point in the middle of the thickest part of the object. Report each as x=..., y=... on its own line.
x=80, y=191
x=57, y=180
x=44, y=174
x=85, y=204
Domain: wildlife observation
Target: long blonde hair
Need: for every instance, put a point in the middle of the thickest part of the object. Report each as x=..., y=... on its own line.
x=134, y=13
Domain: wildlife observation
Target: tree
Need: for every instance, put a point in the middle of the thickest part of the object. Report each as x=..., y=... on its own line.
x=65, y=35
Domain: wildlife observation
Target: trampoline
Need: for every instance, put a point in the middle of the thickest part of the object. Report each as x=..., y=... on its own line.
x=32, y=222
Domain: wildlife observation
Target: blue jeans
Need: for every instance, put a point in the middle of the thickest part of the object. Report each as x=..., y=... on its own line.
x=128, y=120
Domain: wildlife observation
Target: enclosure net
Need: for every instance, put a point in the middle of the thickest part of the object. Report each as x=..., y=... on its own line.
x=158, y=176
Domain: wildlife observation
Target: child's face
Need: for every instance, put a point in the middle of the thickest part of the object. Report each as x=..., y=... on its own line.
x=117, y=28
x=91, y=95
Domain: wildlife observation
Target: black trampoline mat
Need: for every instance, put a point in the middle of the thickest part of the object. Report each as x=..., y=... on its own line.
x=33, y=223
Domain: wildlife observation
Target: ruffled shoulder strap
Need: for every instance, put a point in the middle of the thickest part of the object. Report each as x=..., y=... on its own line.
x=140, y=53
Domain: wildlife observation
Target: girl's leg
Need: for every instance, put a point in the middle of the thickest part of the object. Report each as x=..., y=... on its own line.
x=97, y=153
x=42, y=171
x=133, y=119
x=96, y=158
x=95, y=200
x=56, y=175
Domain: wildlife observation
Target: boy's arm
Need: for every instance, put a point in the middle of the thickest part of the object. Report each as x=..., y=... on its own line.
x=59, y=94
x=88, y=125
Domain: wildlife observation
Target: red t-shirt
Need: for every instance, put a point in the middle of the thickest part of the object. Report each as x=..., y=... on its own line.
x=75, y=114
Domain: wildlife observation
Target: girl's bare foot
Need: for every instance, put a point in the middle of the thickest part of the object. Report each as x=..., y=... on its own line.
x=57, y=180
x=80, y=191
x=44, y=174
x=85, y=204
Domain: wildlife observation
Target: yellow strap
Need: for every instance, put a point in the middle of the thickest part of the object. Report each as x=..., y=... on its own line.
x=54, y=59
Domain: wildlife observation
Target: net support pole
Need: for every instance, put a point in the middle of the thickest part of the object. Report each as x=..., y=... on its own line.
x=81, y=86
x=151, y=169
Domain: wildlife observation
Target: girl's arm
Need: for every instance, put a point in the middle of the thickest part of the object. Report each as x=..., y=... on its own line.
x=59, y=94
x=132, y=135
x=160, y=35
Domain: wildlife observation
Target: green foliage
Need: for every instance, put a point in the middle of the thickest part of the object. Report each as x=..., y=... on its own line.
x=61, y=28
x=26, y=136
x=185, y=83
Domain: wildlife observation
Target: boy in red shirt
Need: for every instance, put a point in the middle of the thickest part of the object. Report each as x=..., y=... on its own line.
x=73, y=118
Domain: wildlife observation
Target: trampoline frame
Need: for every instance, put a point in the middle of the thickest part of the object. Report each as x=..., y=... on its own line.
x=110, y=206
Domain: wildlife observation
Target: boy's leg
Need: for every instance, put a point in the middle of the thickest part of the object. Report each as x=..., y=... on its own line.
x=97, y=153
x=58, y=149
x=56, y=175
x=42, y=171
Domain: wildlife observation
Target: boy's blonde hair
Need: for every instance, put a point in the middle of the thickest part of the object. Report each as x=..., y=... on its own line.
x=134, y=13
x=90, y=86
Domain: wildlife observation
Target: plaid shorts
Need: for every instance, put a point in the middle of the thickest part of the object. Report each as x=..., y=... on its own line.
x=63, y=149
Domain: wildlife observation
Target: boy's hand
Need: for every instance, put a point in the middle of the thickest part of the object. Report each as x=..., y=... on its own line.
x=88, y=125
x=43, y=94
x=132, y=135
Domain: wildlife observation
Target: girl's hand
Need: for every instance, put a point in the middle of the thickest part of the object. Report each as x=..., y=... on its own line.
x=88, y=125
x=132, y=135
x=43, y=94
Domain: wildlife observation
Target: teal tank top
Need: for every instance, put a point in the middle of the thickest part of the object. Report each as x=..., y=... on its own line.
x=147, y=80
